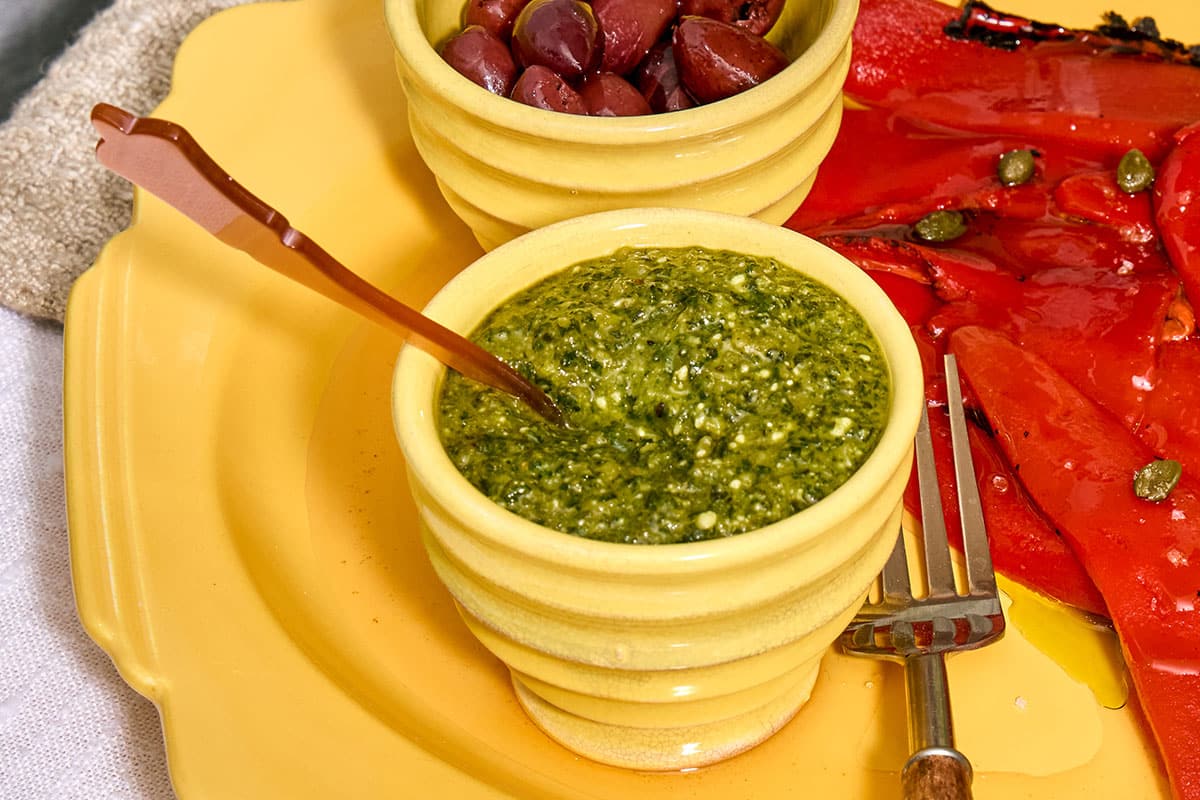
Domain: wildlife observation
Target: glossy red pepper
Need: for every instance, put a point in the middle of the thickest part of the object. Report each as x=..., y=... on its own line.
x=880, y=250
x=1118, y=318
x=1171, y=425
x=1024, y=545
x=1092, y=305
x=1095, y=197
x=1176, y=194
x=1021, y=247
x=925, y=171
x=1074, y=89
x=1101, y=330
x=914, y=299
x=1078, y=462
x=1073, y=269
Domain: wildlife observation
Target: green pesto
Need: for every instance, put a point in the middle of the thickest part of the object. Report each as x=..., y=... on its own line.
x=708, y=393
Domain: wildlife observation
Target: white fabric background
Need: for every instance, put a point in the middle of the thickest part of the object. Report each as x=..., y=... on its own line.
x=70, y=728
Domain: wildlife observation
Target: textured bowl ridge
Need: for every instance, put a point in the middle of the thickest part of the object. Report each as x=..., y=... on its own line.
x=506, y=168
x=657, y=657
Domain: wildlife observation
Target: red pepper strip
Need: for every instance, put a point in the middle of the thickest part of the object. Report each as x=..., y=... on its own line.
x=882, y=253
x=914, y=299
x=925, y=172
x=1025, y=547
x=1019, y=203
x=1032, y=248
x=1176, y=195
x=1119, y=317
x=1171, y=426
x=1020, y=246
x=1078, y=462
x=1181, y=319
x=1095, y=197
x=1062, y=92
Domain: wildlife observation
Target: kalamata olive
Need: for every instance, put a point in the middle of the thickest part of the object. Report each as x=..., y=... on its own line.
x=495, y=15
x=717, y=60
x=754, y=16
x=629, y=29
x=657, y=78
x=609, y=95
x=559, y=34
x=483, y=58
x=541, y=87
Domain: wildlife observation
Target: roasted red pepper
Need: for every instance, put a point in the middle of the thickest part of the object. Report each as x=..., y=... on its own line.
x=1026, y=237
x=925, y=171
x=1176, y=194
x=1078, y=463
x=914, y=299
x=1095, y=197
x=1024, y=545
x=1103, y=372
x=1047, y=284
x=1171, y=425
x=1075, y=88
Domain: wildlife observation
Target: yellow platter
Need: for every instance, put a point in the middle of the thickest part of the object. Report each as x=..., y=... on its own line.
x=242, y=540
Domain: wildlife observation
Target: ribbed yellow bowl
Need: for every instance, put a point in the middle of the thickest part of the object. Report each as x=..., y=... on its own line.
x=671, y=656
x=506, y=168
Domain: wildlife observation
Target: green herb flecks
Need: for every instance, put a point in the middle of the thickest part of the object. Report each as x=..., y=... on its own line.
x=710, y=393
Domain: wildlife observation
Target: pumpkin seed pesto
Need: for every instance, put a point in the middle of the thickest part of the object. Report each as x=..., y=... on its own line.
x=708, y=392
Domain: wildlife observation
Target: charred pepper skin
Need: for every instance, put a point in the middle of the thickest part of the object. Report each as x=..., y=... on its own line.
x=965, y=84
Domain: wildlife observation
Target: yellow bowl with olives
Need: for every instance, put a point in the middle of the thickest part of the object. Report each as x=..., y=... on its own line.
x=506, y=167
x=663, y=575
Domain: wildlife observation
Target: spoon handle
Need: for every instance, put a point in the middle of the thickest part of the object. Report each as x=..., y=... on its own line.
x=164, y=159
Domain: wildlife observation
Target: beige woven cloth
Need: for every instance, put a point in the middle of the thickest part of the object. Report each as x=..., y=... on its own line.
x=57, y=205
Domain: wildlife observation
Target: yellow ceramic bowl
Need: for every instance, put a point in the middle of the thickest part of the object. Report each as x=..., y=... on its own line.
x=506, y=168
x=671, y=656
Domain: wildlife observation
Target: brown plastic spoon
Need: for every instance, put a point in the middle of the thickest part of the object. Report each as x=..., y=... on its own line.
x=165, y=160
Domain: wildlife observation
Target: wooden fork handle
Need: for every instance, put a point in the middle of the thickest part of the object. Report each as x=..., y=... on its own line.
x=164, y=159
x=936, y=773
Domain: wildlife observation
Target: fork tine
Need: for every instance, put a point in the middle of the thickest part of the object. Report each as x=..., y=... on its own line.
x=980, y=576
x=938, y=570
x=894, y=576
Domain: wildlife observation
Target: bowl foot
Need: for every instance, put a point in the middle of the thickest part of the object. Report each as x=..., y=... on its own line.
x=668, y=749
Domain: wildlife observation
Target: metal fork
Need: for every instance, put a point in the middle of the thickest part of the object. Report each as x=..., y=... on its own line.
x=920, y=631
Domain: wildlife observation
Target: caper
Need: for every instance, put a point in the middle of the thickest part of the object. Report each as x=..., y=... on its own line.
x=1156, y=480
x=1015, y=167
x=1134, y=172
x=941, y=226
